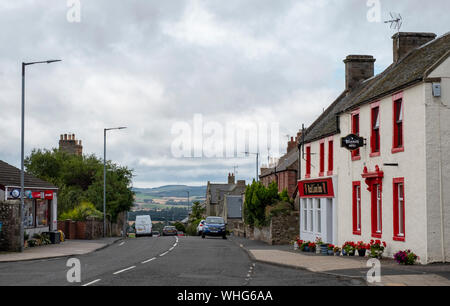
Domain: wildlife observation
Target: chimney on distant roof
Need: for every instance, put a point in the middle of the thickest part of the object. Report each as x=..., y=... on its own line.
x=405, y=42
x=357, y=69
x=292, y=144
x=230, y=178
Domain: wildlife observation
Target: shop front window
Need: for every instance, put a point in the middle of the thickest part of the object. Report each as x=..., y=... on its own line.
x=41, y=213
x=28, y=213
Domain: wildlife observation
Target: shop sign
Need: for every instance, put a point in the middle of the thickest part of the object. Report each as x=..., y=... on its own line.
x=352, y=142
x=37, y=195
x=48, y=195
x=15, y=193
x=316, y=188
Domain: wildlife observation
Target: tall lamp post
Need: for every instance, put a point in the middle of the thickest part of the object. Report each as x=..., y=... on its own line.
x=257, y=163
x=22, y=150
x=104, y=175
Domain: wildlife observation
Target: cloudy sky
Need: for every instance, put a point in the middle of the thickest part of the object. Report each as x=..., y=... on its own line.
x=153, y=65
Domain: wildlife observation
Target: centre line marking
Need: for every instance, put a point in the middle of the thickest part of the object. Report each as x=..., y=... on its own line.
x=122, y=243
x=171, y=248
x=149, y=260
x=93, y=282
x=124, y=270
x=164, y=253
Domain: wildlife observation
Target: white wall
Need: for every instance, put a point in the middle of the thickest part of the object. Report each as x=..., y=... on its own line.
x=411, y=166
x=438, y=165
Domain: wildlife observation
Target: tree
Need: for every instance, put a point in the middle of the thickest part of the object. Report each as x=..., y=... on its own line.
x=80, y=178
x=261, y=203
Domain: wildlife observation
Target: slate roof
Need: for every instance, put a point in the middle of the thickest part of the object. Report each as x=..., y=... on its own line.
x=408, y=71
x=284, y=163
x=216, y=189
x=10, y=176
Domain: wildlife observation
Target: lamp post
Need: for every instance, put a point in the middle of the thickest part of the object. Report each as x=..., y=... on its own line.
x=22, y=150
x=104, y=175
x=257, y=163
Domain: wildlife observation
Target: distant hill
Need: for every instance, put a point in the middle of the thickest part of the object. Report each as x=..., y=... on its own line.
x=173, y=191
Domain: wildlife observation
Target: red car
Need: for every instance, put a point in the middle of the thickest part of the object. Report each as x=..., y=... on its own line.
x=180, y=234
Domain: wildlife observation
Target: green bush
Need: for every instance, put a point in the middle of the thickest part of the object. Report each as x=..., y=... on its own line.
x=82, y=212
x=180, y=227
x=278, y=209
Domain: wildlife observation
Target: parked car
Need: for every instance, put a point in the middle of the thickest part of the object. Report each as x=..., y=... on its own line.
x=143, y=225
x=200, y=227
x=214, y=226
x=169, y=231
x=156, y=234
x=180, y=233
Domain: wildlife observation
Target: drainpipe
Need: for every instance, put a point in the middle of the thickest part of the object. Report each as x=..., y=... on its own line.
x=441, y=192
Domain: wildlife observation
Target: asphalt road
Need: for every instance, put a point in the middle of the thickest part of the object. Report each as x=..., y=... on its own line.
x=165, y=261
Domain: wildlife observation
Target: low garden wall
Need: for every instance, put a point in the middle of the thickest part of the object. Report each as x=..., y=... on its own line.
x=282, y=230
x=10, y=226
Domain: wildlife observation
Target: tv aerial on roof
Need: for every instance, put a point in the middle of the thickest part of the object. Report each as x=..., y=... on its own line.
x=396, y=21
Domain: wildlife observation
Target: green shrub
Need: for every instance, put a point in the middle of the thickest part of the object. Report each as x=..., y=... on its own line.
x=278, y=209
x=82, y=212
x=180, y=227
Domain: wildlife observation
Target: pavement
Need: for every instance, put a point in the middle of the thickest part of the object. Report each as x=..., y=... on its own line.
x=392, y=274
x=63, y=249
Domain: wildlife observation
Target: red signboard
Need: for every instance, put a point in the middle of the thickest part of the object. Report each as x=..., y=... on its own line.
x=320, y=188
x=36, y=195
x=48, y=195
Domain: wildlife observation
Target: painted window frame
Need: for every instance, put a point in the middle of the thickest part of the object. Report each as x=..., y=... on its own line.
x=322, y=158
x=395, y=130
x=308, y=161
x=376, y=210
x=330, y=156
x=356, y=208
x=374, y=152
x=355, y=125
x=396, y=183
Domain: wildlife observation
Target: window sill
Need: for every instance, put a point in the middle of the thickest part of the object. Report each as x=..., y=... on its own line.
x=355, y=158
x=321, y=174
x=376, y=235
x=375, y=154
x=358, y=233
x=330, y=173
x=399, y=238
x=398, y=150
x=307, y=176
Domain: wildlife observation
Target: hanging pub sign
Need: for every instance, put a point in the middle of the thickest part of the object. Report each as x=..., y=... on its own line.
x=322, y=188
x=352, y=142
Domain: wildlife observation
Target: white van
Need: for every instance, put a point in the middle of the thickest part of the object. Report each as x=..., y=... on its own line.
x=143, y=225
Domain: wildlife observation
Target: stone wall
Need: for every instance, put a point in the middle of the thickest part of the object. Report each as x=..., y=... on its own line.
x=10, y=231
x=282, y=230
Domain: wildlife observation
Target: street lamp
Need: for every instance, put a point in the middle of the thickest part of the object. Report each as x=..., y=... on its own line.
x=257, y=164
x=22, y=150
x=104, y=175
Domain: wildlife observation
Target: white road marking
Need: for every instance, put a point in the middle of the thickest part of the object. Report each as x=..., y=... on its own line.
x=164, y=253
x=149, y=260
x=93, y=282
x=171, y=248
x=122, y=243
x=124, y=270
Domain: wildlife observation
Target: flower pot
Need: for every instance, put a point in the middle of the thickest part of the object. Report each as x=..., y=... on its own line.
x=330, y=253
x=344, y=253
x=313, y=250
x=337, y=253
x=324, y=249
x=306, y=249
x=352, y=253
x=362, y=253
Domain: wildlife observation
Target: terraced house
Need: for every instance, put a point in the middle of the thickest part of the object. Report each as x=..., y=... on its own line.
x=376, y=162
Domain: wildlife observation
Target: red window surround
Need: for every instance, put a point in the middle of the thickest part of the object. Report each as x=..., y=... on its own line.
x=330, y=157
x=355, y=130
x=322, y=158
x=375, y=141
x=374, y=181
x=356, y=211
x=308, y=162
x=397, y=123
x=399, y=209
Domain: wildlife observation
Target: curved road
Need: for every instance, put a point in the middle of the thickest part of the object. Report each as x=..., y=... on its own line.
x=165, y=261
